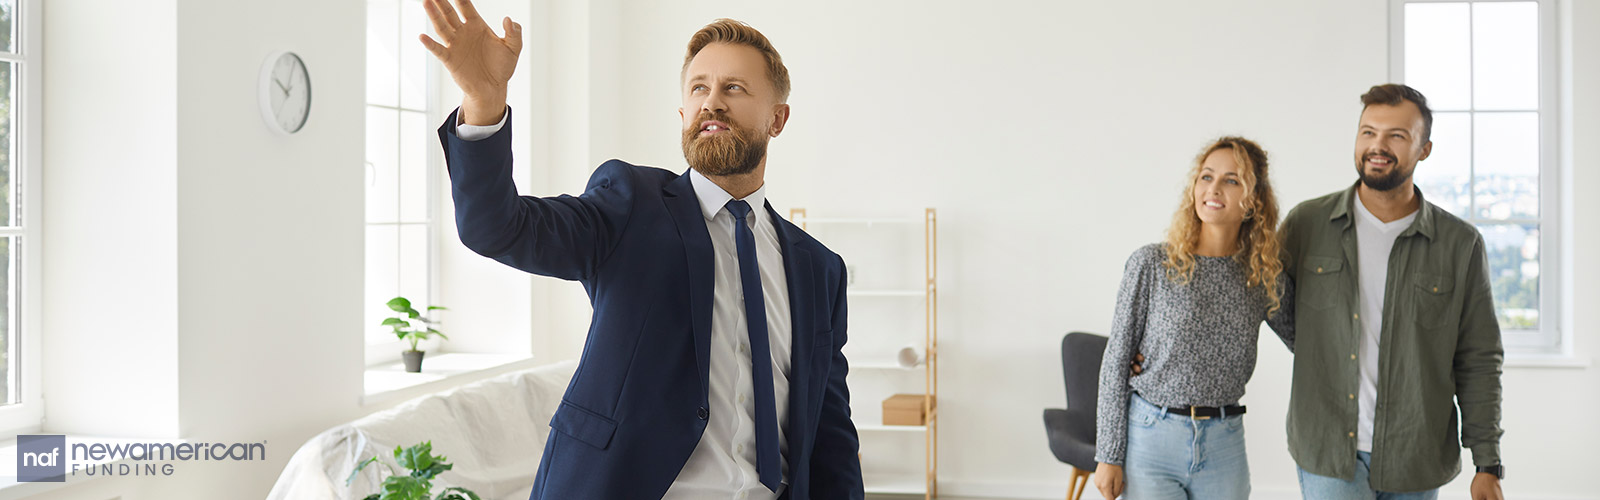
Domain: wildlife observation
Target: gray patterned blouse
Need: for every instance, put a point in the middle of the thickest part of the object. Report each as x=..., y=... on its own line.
x=1198, y=339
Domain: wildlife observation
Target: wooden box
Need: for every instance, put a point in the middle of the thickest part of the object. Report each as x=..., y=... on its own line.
x=905, y=409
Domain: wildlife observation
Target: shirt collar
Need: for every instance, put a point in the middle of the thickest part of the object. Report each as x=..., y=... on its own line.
x=1371, y=218
x=1422, y=225
x=713, y=198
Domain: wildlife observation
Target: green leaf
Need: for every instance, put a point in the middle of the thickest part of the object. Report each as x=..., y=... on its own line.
x=399, y=304
x=433, y=470
x=455, y=492
x=405, y=488
x=362, y=465
x=438, y=308
x=408, y=457
x=413, y=313
x=394, y=321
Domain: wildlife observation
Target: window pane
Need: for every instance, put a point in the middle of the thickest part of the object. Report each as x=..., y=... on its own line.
x=8, y=348
x=413, y=56
x=383, y=38
x=413, y=271
x=397, y=266
x=383, y=279
x=1513, y=252
x=383, y=165
x=415, y=135
x=1505, y=55
x=1438, y=56
x=8, y=28
x=1444, y=177
x=8, y=194
x=1506, y=164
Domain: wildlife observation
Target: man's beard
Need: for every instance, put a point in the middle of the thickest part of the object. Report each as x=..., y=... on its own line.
x=1397, y=173
x=736, y=151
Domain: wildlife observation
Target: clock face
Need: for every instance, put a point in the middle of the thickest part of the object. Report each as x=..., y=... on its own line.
x=285, y=92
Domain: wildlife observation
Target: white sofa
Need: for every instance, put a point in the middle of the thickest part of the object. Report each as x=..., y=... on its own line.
x=493, y=431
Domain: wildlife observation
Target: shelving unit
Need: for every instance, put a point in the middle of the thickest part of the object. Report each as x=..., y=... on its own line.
x=890, y=483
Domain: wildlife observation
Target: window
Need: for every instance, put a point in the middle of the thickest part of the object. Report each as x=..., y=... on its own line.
x=19, y=214
x=1488, y=70
x=401, y=257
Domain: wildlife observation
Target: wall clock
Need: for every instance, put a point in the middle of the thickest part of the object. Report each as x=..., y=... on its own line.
x=285, y=92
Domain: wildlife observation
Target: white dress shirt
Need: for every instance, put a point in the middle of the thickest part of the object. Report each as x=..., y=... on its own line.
x=1374, y=239
x=723, y=464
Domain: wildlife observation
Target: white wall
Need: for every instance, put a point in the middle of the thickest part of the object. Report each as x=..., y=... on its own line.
x=1053, y=138
x=110, y=216
x=204, y=275
x=1025, y=123
x=270, y=234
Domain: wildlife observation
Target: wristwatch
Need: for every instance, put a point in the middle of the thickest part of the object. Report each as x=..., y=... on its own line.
x=1498, y=470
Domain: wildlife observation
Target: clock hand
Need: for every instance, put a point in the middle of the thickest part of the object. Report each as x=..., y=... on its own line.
x=281, y=86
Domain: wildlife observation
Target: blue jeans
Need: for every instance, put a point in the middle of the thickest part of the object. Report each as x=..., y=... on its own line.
x=1175, y=457
x=1314, y=487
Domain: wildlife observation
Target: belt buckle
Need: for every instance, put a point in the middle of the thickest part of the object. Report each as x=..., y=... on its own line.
x=1195, y=416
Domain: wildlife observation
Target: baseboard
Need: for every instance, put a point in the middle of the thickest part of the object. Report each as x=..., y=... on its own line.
x=980, y=489
x=1055, y=490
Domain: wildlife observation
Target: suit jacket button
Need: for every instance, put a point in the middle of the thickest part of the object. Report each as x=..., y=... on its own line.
x=704, y=414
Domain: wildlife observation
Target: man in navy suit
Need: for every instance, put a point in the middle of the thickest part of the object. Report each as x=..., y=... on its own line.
x=713, y=366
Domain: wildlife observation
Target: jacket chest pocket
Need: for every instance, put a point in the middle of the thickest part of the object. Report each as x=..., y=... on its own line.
x=1320, y=282
x=1431, y=299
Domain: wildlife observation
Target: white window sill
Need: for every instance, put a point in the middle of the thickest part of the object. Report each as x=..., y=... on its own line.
x=1546, y=361
x=10, y=489
x=388, y=382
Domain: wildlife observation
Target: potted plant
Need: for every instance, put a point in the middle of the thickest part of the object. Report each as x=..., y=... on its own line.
x=403, y=327
x=418, y=484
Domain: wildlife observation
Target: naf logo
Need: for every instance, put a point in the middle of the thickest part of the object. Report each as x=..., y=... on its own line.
x=41, y=458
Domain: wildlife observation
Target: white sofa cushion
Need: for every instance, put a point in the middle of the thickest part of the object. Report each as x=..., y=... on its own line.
x=493, y=431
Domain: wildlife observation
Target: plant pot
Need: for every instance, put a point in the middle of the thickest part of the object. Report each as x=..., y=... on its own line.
x=413, y=360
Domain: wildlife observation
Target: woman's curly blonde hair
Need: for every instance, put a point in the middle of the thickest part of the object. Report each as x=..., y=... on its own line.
x=1258, y=234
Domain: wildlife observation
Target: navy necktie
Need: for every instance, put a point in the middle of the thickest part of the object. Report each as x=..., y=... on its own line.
x=755, y=312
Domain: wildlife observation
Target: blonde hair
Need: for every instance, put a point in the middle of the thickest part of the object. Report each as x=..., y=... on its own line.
x=738, y=33
x=1258, y=239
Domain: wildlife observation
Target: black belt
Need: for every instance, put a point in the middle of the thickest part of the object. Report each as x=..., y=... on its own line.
x=1205, y=412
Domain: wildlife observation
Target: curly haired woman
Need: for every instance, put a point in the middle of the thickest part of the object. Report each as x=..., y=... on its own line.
x=1193, y=306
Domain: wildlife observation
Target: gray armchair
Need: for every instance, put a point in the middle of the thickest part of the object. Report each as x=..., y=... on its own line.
x=1072, y=431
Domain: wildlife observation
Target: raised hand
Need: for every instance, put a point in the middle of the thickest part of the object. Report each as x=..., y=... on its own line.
x=479, y=61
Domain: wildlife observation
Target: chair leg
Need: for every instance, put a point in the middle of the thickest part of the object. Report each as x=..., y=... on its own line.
x=1075, y=486
x=1084, y=483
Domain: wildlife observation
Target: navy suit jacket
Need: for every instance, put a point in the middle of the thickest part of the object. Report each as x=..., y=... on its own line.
x=637, y=406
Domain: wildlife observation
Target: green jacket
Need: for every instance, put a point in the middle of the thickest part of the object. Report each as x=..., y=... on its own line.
x=1439, y=348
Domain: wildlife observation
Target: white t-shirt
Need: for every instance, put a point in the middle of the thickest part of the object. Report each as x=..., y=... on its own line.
x=1374, y=241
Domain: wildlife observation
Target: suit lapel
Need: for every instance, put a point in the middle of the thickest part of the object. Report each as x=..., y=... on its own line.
x=685, y=208
x=797, y=270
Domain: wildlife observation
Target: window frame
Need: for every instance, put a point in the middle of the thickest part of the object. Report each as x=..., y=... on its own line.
x=1549, y=338
x=388, y=350
x=27, y=414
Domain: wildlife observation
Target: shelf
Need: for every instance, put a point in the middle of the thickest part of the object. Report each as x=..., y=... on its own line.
x=883, y=366
x=885, y=293
x=896, y=484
